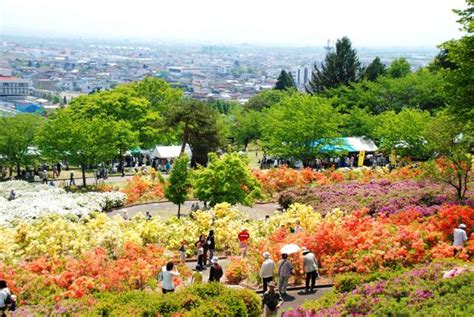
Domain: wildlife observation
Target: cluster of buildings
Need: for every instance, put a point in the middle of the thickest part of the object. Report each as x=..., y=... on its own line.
x=39, y=75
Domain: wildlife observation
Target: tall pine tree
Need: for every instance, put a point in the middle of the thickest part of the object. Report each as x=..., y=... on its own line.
x=374, y=70
x=340, y=67
x=285, y=81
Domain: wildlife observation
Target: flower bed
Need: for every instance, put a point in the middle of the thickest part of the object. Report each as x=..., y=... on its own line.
x=427, y=290
x=379, y=196
x=278, y=179
x=142, y=189
x=35, y=200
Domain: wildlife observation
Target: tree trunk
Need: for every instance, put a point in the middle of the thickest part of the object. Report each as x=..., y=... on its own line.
x=83, y=168
x=179, y=211
x=18, y=170
x=185, y=139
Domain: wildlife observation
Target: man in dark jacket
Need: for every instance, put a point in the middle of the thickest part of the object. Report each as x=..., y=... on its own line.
x=211, y=245
x=216, y=271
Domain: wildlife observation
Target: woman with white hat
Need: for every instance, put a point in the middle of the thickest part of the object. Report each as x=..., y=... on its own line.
x=310, y=266
x=267, y=270
x=460, y=236
x=216, y=271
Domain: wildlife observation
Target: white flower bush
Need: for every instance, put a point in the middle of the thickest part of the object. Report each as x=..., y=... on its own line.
x=35, y=200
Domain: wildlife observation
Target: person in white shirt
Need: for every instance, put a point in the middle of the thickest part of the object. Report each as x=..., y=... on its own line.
x=7, y=300
x=298, y=227
x=267, y=270
x=310, y=266
x=460, y=236
x=167, y=284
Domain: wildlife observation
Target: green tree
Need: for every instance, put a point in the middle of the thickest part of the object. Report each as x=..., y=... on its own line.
x=448, y=139
x=179, y=183
x=459, y=85
x=84, y=141
x=359, y=122
x=399, y=67
x=226, y=179
x=285, y=81
x=247, y=127
x=17, y=139
x=420, y=90
x=300, y=126
x=198, y=123
x=121, y=105
x=265, y=99
x=339, y=68
x=374, y=70
x=403, y=132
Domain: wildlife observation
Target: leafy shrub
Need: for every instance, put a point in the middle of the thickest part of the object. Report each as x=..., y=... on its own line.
x=212, y=299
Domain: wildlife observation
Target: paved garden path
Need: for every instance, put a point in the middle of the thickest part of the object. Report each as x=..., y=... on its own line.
x=167, y=209
x=293, y=299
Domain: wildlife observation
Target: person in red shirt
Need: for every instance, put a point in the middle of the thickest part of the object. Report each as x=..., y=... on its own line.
x=244, y=238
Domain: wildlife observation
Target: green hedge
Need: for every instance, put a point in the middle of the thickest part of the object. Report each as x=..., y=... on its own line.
x=210, y=299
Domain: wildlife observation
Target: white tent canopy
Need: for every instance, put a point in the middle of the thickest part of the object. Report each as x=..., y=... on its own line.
x=170, y=151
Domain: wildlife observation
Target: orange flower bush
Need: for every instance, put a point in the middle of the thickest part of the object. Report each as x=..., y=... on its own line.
x=358, y=242
x=57, y=278
x=278, y=179
x=140, y=189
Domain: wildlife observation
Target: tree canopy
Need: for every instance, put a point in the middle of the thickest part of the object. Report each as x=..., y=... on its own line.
x=18, y=139
x=179, y=182
x=375, y=69
x=285, y=81
x=299, y=126
x=399, y=67
x=340, y=67
x=226, y=179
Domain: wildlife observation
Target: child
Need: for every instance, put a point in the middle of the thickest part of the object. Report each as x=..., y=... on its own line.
x=200, y=252
x=197, y=278
x=182, y=252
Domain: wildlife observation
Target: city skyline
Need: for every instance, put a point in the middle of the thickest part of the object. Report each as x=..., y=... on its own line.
x=409, y=23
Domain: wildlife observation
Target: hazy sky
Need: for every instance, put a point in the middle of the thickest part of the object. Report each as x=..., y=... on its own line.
x=294, y=22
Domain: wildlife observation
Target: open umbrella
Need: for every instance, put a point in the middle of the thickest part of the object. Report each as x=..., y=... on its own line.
x=290, y=248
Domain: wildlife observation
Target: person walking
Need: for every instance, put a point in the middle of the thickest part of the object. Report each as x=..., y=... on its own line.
x=168, y=273
x=244, y=238
x=460, y=236
x=271, y=301
x=310, y=266
x=200, y=253
x=72, y=182
x=211, y=245
x=7, y=300
x=216, y=271
x=182, y=251
x=284, y=272
x=266, y=270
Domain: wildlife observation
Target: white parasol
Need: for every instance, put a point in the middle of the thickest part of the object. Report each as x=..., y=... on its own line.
x=290, y=248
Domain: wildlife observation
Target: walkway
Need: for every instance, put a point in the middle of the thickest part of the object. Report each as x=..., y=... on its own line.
x=167, y=209
x=293, y=299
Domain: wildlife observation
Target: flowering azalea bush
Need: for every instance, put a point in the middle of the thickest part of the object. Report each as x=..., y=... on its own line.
x=423, y=291
x=35, y=200
x=49, y=279
x=278, y=179
x=379, y=196
x=142, y=189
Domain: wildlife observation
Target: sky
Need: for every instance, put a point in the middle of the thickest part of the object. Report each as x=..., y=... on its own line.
x=368, y=23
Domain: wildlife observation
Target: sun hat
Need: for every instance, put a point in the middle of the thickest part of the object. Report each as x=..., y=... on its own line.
x=462, y=226
x=214, y=259
x=271, y=284
x=266, y=254
x=304, y=250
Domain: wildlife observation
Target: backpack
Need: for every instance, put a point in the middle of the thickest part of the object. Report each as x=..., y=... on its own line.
x=10, y=304
x=160, y=277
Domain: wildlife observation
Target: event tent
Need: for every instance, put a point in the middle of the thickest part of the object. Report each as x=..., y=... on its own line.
x=350, y=144
x=169, y=152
